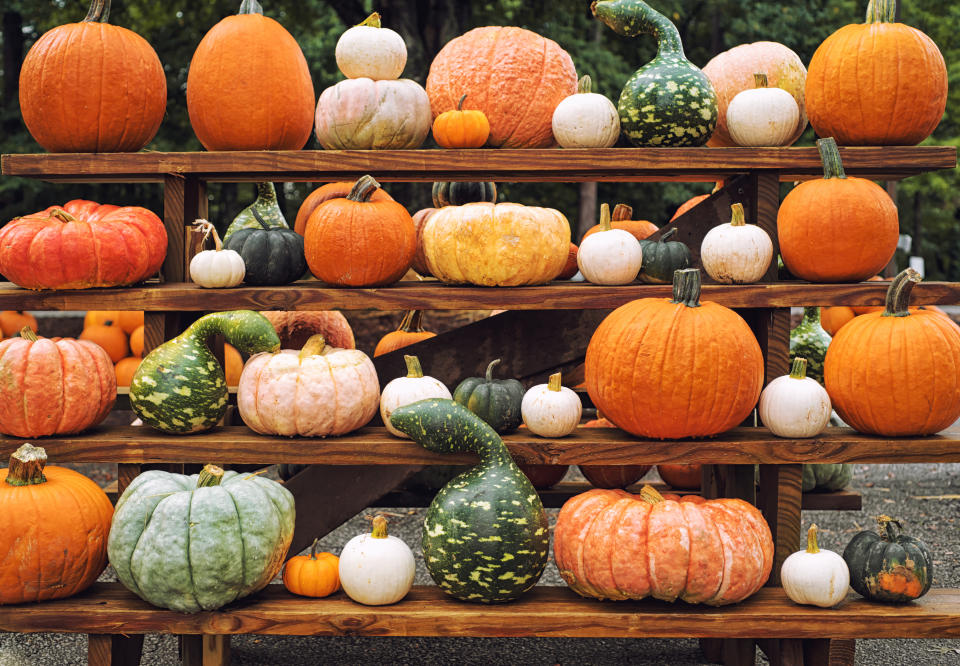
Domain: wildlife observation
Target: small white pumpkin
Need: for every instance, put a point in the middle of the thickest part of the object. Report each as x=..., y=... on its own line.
x=762, y=116
x=371, y=51
x=551, y=410
x=218, y=267
x=376, y=568
x=610, y=256
x=586, y=119
x=736, y=252
x=815, y=577
x=363, y=114
x=407, y=390
x=795, y=405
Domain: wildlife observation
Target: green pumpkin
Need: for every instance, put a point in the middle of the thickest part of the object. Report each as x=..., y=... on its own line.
x=458, y=193
x=826, y=478
x=272, y=255
x=888, y=566
x=485, y=536
x=808, y=340
x=668, y=101
x=661, y=258
x=179, y=387
x=265, y=205
x=196, y=543
x=496, y=401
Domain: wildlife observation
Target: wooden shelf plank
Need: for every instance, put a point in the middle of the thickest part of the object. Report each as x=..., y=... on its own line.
x=611, y=164
x=312, y=295
x=374, y=446
x=108, y=608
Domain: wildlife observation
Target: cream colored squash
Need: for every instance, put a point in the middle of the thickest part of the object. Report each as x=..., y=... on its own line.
x=815, y=577
x=363, y=114
x=406, y=390
x=586, y=119
x=376, y=568
x=314, y=392
x=371, y=51
x=795, y=405
x=736, y=252
x=609, y=256
x=551, y=410
x=762, y=116
x=218, y=267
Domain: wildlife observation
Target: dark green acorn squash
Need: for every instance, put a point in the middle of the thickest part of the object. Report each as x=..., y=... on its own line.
x=265, y=205
x=272, y=255
x=889, y=566
x=496, y=401
x=446, y=193
x=826, y=478
x=810, y=341
x=662, y=257
x=485, y=537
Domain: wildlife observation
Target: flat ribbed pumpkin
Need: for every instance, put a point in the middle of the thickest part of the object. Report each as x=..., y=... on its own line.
x=337, y=190
x=672, y=368
x=515, y=76
x=249, y=87
x=609, y=544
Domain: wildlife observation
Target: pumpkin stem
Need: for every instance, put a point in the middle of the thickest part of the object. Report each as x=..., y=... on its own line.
x=99, y=12
x=649, y=494
x=250, y=7
x=736, y=215
x=210, y=475
x=830, y=156
x=259, y=218
x=28, y=333
x=886, y=526
x=605, y=217
x=26, y=466
x=208, y=229
x=881, y=11
x=584, y=85
x=414, y=371
x=412, y=322
x=667, y=234
x=63, y=215
x=313, y=549
x=460, y=102
x=313, y=346
x=372, y=21
x=799, y=368
x=622, y=212
x=760, y=80
x=363, y=189
x=379, y=527
x=553, y=384
x=812, y=546
x=898, y=293
x=686, y=287
x=489, y=374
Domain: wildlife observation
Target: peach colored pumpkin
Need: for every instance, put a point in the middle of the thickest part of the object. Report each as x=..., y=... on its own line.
x=363, y=114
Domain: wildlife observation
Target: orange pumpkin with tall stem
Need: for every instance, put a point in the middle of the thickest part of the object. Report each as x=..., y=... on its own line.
x=338, y=190
x=620, y=219
x=409, y=332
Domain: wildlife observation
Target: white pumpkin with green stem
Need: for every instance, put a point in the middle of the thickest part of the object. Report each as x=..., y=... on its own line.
x=762, y=116
x=795, y=405
x=815, y=577
x=609, y=256
x=586, y=119
x=407, y=390
x=736, y=252
x=376, y=569
x=551, y=410
x=218, y=267
x=372, y=51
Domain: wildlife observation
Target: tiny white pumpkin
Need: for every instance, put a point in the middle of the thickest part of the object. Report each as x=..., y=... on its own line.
x=762, y=116
x=795, y=405
x=586, y=119
x=551, y=410
x=736, y=252
x=218, y=267
x=610, y=256
x=815, y=577
x=407, y=390
x=376, y=568
x=371, y=51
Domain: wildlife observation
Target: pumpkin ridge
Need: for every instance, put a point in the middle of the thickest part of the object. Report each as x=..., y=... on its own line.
x=518, y=118
x=239, y=589
x=61, y=494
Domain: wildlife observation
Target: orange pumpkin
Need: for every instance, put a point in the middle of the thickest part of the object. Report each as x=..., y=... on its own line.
x=111, y=338
x=681, y=477
x=232, y=364
x=460, y=128
x=620, y=219
x=864, y=309
x=316, y=575
x=693, y=201
x=338, y=190
x=129, y=320
x=249, y=87
x=357, y=242
x=296, y=327
x=896, y=373
x=570, y=268
x=409, y=332
x=55, y=527
x=672, y=368
x=515, y=76
x=420, y=218
x=878, y=83
x=609, y=544
x=136, y=341
x=11, y=321
x=125, y=368
x=613, y=476
x=110, y=76
x=98, y=317
x=838, y=228
x=833, y=318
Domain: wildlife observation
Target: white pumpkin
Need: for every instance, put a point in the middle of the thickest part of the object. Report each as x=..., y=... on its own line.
x=762, y=116
x=795, y=405
x=586, y=119
x=407, y=390
x=736, y=252
x=815, y=577
x=551, y=410
x=609, y=256
x=376, y=568
x=371, y=51
x=218, y=267
x=363, y=114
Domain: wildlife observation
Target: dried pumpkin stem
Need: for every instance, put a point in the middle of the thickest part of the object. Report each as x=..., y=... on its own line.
x=650, y=494
x=554, y=382
x=379, y=530
x=372, y=21
x=799, y=368
x=736, y=215
x=667, y=234
x=898, y=293
x=881, y=11
x=412, y=322
x=886, y=526
x=28, y=333
x=99, y=12
x=313, y=548
x=63, y=215
x=26, y=466
x=460, y=102
x=210, y=475
x=414, y=370
x=584, y=85
x=622, y=212
x=313, y=346
x=830, y=156
x=605, y=217
x=209, y=230
x=489, y=374
x=760, y=80
x=812, y=546
x=686, y=287
x=363, y=189
x=250, y=7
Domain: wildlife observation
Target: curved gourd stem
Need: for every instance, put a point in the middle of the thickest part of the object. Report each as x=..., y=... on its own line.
x=736, y=215
x=554, y=383
x=363, y=189
x=372, y=21
x=812, y=546
x=314, y=346
x=605, y=217
x=489, y=374
x=28, y=333
x=250, y=7
x=313, y=548
x=414, y=371
x=460, y=102
x=830, y=156
x=26, y=466
x=210, y=475
x=881, y=11
x=650, y=495
x=686, y=287
x=667, y=234
x=250, y=332
x=622, y=212
x=99, y=12
x=799, y=368
x=760, y=80
x=259, y=218
x=898, y=294
x=584, y=85
x=889, y=528
x=632, y=18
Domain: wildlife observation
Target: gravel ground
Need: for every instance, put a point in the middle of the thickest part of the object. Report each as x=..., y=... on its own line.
x=911, y=492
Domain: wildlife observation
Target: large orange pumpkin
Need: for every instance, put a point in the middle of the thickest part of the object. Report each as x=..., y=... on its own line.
x=671, y=368
x=896, y=373
x=338, y=190
x=878, y=83
x=55, y=526
x=838, y=228
x=609, y=544
x=11, y=321
x=295, y=327
x=620, y=219
x=92, y=87
x=515, y=76
x=409, y=332
x=249, y=87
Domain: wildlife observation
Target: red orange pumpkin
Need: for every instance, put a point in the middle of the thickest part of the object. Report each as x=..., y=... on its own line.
x=620, y=219
x=681, y=477
x=125, y=368
x=409, y=332
x=833, y=318
x=337, y=190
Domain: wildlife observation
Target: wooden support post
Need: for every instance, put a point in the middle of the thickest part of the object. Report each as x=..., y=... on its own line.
x=126, y=472
x=780, y=498
x=114, y=649
x=829, y=652
x=204, y=650
x=783, y=651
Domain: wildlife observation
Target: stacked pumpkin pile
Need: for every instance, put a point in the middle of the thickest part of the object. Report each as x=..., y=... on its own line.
x=120, y=334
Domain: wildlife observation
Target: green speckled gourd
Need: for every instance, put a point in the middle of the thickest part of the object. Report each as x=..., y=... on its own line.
x=485, y=537
x=810, y=341
x=826, y=478
x=668, y=101
x=192, y=543
x=265, y=204
x=179, y=387
x=496, y=401
x=661, y=258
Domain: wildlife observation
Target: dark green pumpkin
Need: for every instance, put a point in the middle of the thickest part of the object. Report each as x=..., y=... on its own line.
x=447, y=193
x=265, y=206
x=662, y=257
x=496, y=401
x=272, y=255
x=826, y=478
x=887, y=565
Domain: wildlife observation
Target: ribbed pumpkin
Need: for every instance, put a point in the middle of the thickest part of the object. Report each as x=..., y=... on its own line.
x=55, y=525
x=838, y=228
x=609, y=544
x=458, y=128
x=419, y=263
x=890, y=566
x=249, y=87
x=53, y=388
x=82, y=244
x=620, y=219
x=92, y=87
x=271, y=255
x=896, y=373
x=337, y=190
x=314, y=575
x=672, y=368
x=363, y=114
x=458, y=193
x=295, y=327
x=877, y=83
x=515, y=76
x=409, y=332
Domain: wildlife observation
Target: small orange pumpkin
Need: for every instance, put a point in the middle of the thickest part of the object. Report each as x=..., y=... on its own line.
x=316, y=575
x=833, y=318
x=409, y=332
x=12, y=321
x=864, y=309
x=96, y=317
x=338, y=190
x=620, y=219
x=461, y=128
x=232, y=364
x=136, y=341
x=125, y=368
x=111, y=338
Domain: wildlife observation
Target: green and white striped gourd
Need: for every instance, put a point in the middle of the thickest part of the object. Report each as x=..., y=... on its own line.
x=810, y=341
x=268, y=208
x=180, y=387
x=485, y=537
x=668, y=101
x=199, y=542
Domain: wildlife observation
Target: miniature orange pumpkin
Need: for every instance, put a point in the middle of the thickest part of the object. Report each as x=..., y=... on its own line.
x=232, y=364
x=125, y=368
x=316, y=575
x=620, y=219
x=338, y=190
x=12, y=321
x=461, y=128
x=409, y=332
x=111, y=338
x=833, y=318
x=136, y=341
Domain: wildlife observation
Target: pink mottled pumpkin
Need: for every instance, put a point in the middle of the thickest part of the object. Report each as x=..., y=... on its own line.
x=295, y=327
